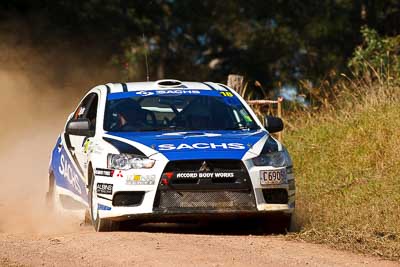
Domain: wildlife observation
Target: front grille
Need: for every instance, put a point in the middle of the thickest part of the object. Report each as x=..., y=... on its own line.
x=206, y=200
x=275, y=196
x=128, y=199
x=198, y=185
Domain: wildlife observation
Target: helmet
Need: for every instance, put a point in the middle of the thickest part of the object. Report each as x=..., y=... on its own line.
x=131, y=112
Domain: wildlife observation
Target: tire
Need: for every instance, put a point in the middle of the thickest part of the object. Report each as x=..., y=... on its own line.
x=100, y=225
x=275, y=224
x=88, y=218
x=283, y=223
x=287, y=223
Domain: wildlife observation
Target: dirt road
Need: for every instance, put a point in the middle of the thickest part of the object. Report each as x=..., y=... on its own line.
x=169, y=245
x=28, y=237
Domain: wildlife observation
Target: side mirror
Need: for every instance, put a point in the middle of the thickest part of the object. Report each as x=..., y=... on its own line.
x=79, y=127
x=273, y=124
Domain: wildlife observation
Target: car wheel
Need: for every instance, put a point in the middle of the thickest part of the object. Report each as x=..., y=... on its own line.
x=88, y=218
x=288, y=222
x=100, y=224
x=275, y=223
x=283, y=223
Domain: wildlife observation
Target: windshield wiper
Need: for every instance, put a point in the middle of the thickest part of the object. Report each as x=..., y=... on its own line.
x=170, y=128
x=181, y=128
x=241, y=128
x=149, y=129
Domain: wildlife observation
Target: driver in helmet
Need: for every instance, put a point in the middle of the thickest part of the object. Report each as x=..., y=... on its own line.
x=130, y=115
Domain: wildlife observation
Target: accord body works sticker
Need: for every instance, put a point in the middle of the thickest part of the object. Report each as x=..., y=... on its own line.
x=195, y=175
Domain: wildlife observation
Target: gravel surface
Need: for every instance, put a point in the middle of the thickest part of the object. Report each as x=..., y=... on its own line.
x=169, y=245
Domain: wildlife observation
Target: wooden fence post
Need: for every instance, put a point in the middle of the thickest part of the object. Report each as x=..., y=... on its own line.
x=279, y=114
x=236, y=83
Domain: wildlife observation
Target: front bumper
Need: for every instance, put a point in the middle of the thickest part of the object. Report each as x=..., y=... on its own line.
x=147, y=208
x=196, y=216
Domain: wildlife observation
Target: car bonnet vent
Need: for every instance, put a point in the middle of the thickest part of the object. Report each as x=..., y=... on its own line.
x=169, y=83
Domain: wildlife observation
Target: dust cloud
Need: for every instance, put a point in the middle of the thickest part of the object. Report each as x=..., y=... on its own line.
x=30, y=122
x=39, y=86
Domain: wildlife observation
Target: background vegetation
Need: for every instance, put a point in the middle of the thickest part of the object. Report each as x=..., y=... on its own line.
x=274, y=42
x=346, y=153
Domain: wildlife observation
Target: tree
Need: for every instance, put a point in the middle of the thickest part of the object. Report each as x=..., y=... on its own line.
x=274, y=42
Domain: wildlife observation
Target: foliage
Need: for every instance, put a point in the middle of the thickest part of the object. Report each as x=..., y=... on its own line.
x=274, y=42
x=376, y=61
x=378, y=57
x=346, y=159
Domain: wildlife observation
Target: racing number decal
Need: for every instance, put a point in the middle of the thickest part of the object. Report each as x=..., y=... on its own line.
x=227, y=94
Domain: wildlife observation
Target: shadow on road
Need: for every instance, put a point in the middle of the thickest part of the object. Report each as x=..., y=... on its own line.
x=225, y=227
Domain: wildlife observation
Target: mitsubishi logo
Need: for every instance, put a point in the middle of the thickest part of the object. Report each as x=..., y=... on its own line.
x=204, y=167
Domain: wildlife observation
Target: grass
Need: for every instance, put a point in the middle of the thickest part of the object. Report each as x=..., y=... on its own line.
x=347, y=165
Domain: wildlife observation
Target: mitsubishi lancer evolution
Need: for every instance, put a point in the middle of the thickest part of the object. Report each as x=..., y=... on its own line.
x=169, y=149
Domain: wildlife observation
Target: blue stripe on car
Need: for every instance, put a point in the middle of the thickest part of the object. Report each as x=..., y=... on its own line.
x=196, y=145
x=164, y=92
x=65, y=173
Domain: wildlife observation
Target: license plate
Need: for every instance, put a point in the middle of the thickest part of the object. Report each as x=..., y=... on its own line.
x=273, y=176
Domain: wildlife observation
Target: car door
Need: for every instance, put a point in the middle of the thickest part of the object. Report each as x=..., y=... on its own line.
x=78, y=145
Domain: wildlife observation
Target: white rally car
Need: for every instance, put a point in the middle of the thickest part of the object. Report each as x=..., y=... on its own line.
x=155, y=151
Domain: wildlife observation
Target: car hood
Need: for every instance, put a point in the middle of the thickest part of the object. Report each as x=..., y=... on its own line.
x=197, y=144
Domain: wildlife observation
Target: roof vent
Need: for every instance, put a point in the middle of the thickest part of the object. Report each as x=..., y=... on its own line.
x=169, y=83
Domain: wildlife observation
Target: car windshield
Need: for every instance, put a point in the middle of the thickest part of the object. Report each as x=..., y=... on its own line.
x=130, y=112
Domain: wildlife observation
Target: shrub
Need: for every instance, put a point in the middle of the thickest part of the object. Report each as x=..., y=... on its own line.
x=377, y=58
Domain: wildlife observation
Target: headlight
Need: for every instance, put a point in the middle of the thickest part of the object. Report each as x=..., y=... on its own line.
x=274, y=159
x=128, y=161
